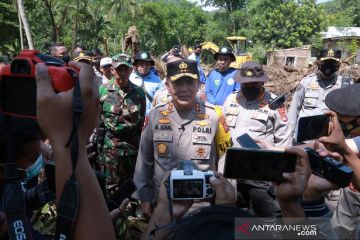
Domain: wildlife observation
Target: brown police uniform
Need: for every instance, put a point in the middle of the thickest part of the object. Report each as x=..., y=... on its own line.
x=168, y=136
x=259, y=121
x=309, y=97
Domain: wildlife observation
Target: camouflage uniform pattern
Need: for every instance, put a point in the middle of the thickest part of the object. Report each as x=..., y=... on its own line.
x=122, y=116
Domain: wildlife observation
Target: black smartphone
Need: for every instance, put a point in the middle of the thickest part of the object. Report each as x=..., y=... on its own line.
x=50, y=174
x=330, y=169
x=247, y=142
x=312, y=127
x=258, y=164
x=120, y=193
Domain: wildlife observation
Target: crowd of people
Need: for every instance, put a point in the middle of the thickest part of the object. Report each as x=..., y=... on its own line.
x=133, y=125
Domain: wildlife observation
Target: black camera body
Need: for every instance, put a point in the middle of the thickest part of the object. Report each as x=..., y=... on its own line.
x=277, y=102
x=176, y=52
x=330, y=169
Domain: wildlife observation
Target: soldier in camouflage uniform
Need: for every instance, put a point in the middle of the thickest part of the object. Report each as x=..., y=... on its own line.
x=121, y=119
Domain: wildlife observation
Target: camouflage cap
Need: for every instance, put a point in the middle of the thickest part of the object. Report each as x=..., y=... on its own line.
x=121, y=59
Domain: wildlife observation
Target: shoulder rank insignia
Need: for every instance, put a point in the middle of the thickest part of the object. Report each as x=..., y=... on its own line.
x=164, y=100
x=197, y=107
x=164, y=113
x=202, y=116
x=202, y=123
x=234, y=111
x=164, y=120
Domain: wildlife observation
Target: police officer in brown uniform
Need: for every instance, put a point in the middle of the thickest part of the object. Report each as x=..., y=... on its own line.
x=247, y=111
x=309, y=97
x=184, y=128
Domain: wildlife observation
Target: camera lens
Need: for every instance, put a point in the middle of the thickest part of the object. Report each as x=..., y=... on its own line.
x=209, y=191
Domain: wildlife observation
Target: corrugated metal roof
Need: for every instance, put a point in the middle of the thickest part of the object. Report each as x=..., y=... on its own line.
x=339, y=32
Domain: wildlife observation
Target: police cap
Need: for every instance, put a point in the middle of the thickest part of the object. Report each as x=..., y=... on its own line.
x=182, y=68
x=251, y=72
x=329, y=54
x=344, y=100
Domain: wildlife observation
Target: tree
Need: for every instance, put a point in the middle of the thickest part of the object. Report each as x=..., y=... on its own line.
x=229, y=5
x=9, y=34
x=342, y=13
x=285, y=23
x=25, y=22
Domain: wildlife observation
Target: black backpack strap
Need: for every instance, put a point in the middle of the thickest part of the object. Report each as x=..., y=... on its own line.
x=68, y=206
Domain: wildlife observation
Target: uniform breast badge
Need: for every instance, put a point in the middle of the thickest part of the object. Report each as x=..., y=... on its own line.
x=162, y=149
x=164, y=120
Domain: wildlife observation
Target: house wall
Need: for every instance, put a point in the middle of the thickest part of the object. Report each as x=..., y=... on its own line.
x=335, y=43
x=300, y=56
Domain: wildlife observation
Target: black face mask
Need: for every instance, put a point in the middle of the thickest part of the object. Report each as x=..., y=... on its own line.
x=65, y=58
x=348, y=127
x=251, y=93
x=328, y=69
x=96, y=64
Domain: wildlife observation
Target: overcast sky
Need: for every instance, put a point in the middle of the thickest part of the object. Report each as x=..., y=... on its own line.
x=212, y=8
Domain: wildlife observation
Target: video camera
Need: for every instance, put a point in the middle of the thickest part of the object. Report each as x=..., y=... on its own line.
x=18, y=84
x=329, y=168
x=188, y=183
x=176, y=51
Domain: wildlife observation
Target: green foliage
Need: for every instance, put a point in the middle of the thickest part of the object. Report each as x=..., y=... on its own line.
x=163, y=23
x=9, y=33
x=284, y=24
x=342, y=13
x=258, y=53
x=353, y=47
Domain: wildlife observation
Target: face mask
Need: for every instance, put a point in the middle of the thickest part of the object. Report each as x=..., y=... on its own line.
x=328, y=69
x=34, y=170
x=65, y=58
x=96, y=64
x=251, y=93
x=348, y=127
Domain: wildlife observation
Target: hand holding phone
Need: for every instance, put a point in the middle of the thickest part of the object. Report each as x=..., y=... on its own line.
x=258, y=164
x=312, y=127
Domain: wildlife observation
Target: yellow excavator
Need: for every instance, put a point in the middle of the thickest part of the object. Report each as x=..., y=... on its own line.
x=238, y=45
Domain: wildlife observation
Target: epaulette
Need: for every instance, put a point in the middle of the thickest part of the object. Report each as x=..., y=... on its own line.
x=308, y=77
x=209, y=105
x=160, y=105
